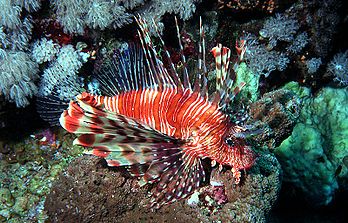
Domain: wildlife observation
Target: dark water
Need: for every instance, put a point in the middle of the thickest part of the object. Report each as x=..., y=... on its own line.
x=58, y=48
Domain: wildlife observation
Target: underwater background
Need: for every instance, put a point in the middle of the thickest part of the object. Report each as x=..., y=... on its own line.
x=295, y=69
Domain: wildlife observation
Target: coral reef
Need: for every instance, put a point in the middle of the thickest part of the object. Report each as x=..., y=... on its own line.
x=17, y=75
x=261, y=60
x=288, y=41
x=305, y=127
x=27, y=170
x=61, y=76
x=279, y=40
x=275, y=114
x=313, y=157
x=17, y=71
x=88, y=191
x=279, y=28
x=75, y=16
x=249, y=5
x=338, y=67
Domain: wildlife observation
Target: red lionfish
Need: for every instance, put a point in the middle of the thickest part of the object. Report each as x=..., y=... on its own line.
x=158, y=126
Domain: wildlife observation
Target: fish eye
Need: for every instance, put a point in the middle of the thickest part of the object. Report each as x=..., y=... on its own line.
x=229, y=141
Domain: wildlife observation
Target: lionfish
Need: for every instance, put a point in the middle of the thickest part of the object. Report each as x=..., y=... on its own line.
x=156, y=125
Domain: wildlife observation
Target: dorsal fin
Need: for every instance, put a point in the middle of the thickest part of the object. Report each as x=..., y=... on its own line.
x=224, y=83
x=187, y=83
x=198, y=81
x=123, y=71
x=158, y=73
x=173, y=71
x=222, y=61
x=135, y=67
x=202, y=68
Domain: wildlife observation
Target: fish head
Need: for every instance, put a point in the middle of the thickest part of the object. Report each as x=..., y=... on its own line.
x=237, y=153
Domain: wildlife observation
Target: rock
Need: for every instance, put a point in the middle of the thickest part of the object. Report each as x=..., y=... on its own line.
x=6, y=198
x=89, y=191
x=313, y=157
x=276, y=113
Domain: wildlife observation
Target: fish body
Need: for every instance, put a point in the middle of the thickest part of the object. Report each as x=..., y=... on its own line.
x=157, y=126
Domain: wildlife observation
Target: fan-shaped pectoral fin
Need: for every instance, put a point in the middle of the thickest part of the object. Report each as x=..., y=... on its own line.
x=178, y=175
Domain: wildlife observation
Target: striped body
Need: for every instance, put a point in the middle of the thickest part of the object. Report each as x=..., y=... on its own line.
x=184, y=115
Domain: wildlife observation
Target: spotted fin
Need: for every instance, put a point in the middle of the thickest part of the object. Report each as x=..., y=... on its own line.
x=178, y=176
x=120, y=140
x=145, y=152
x=225, y=89
x=222, y=61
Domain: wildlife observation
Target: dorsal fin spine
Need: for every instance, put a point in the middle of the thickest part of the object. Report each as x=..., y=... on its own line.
x=147, y=47
x=148, y=59
x=201, y=80
x=202, y=37
x=175, y=76
x=223, y=81
x=187, y=83
x=111, y=86
x=159, y=72
x=204, y=79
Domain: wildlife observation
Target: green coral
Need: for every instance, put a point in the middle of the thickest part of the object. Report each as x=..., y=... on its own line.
x=251, y=80
x=26, y=176
x=302, y=92
x=313, y=156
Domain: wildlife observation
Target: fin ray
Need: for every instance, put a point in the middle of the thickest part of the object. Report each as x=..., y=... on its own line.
x=178, y=176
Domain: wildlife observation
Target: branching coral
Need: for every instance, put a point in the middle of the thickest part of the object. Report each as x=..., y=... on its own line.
x=76, y=15
x=278, y=43
x=44, y=50
x=11, y=11
x=279, y=28
x=261, y=60
x=299, y=42
x=17, y=75
x=339, y=67
x=73, y=15
x=17, y=71
x=313, y=65
x=61, y=75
